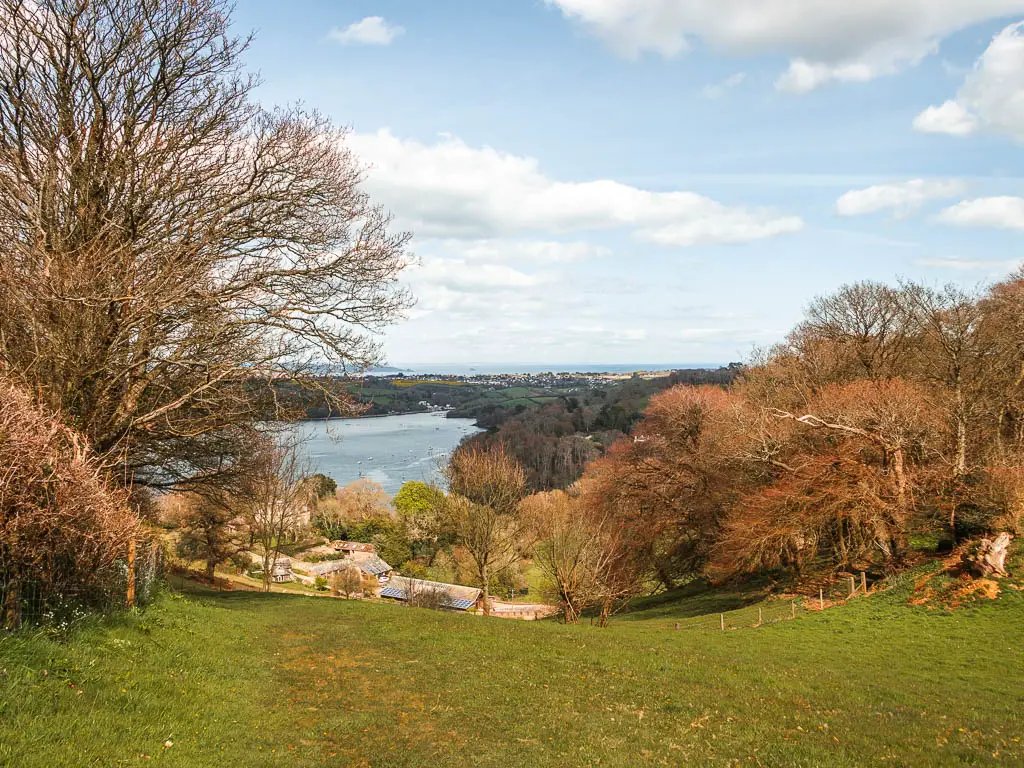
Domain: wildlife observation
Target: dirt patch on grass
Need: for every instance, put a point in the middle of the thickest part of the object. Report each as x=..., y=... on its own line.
x=349, y=693
x=940, y=590
x=975, y=589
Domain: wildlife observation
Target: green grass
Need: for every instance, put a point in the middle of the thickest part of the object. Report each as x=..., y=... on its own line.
x=247, y=679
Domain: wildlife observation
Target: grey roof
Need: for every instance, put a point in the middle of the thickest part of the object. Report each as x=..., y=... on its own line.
x=373, y=566
x=454, y=596
x=330, y=566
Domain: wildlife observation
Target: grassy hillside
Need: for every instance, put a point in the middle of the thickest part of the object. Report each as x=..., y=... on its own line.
x=260, y=680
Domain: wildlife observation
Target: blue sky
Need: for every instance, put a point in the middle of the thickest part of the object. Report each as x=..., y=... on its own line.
x=662, y=181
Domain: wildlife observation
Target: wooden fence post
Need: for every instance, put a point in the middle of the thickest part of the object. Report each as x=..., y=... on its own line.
x=821, y=598
x=759, y=616
x=12, y=604
x=722, y=616
x=130, y=592
x=792, y=608
x=853, y=587
x=864, y=582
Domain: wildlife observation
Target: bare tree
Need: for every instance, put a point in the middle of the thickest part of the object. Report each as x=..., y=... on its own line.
x=586, y=554
x=954, y=352
x=275, y=497
x=486, y=487
x=172, y=250
x=567, y=551
x=421, y=594
x=866, y=326
x=348, y=581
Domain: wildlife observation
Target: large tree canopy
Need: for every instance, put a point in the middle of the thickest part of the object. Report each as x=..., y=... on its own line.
x=170, y=247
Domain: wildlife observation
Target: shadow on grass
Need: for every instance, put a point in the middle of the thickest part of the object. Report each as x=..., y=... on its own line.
x=698, y=598
x=228, y=598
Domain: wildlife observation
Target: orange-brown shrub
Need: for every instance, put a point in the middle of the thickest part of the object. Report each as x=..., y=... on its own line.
x=63, y=529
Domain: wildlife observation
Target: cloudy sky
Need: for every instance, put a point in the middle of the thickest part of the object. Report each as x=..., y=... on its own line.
x=663, y=181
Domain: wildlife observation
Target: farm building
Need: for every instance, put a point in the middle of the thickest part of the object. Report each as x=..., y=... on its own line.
x=369, y=565
x=452, y=596
x=282, y=571
x=374, y=566
x=353, y=546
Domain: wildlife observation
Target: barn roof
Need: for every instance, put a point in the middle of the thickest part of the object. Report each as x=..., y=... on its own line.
x=453, y=595
x=330, y=566
x=373, y=566
x=353, y=546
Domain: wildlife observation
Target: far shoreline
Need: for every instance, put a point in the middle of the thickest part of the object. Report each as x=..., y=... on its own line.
x=381, y=415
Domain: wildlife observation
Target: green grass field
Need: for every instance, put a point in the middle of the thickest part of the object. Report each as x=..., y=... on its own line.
x=245, y=679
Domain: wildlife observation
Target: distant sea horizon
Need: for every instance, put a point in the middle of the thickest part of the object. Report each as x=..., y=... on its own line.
x=492, y=369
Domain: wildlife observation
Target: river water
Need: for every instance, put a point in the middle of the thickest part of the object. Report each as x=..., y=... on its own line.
x=387, y=449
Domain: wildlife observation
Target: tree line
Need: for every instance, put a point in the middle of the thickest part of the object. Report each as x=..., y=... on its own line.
x=890, y=416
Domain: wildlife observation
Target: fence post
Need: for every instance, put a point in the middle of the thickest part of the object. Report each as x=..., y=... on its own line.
x=12, y=608
x=853, y=587
x=130, y=592
x=821, y=598
x=864, y=582
x=759, y=616
x=792, y=608
x=722, y=616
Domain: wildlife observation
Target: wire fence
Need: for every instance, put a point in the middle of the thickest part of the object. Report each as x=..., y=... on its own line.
x=773, y=611
x=34, y=598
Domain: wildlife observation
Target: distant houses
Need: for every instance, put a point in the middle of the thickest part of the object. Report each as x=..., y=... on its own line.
x=360, y=571
x=282, y=571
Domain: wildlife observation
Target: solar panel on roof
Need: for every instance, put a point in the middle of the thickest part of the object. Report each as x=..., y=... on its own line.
x=462, y=605
x=392, y=592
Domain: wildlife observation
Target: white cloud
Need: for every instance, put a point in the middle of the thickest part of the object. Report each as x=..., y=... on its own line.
x=999, y=212
x=719, y=90
x=466, y=276
x=452, y=190
x=826, y=39
x=373, y=30
x=901, y=198
x=804, y=76
x=520, y=251
x=971, y=265
x=949, y=118
x=992, y=96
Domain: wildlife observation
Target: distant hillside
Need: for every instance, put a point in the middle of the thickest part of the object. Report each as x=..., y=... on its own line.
x=554, y=437
x=491, y=400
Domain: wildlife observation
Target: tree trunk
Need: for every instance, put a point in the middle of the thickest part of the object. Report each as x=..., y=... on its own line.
x=130, y=589
x=663, y=576
x=211, y=567
x=268, y=566
x=485, y=577
x=991, y=557
x=960, y=466
x=899, y=471
x=569, y=611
